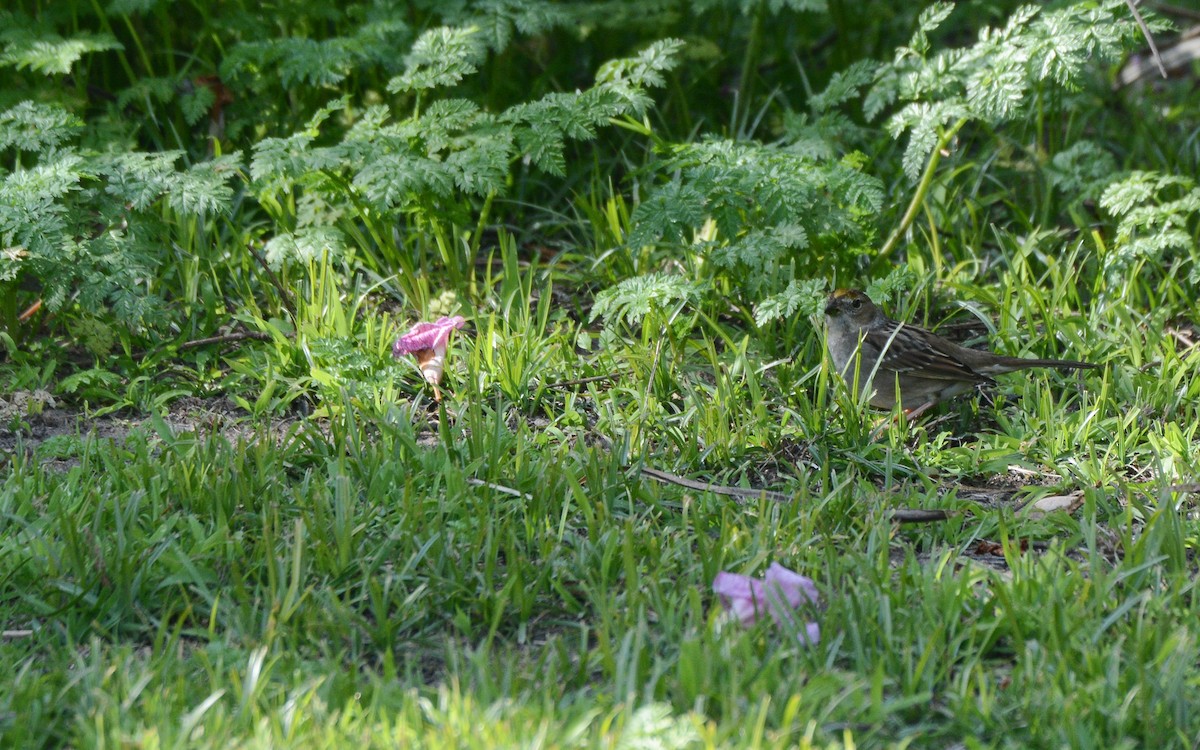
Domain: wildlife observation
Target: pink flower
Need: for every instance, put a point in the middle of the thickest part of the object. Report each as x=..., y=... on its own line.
x=779, y=593
x=427, y=342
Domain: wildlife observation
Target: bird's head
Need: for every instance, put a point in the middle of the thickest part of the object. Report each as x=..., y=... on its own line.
x=851, y=306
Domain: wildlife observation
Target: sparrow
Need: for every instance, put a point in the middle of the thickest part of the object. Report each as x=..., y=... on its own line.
x=904, y=363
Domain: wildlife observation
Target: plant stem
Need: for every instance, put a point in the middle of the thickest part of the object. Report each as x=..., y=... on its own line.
x=922, y=188
x=750, y=65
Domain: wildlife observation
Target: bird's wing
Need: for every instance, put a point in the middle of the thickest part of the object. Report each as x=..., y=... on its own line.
x=908, y=348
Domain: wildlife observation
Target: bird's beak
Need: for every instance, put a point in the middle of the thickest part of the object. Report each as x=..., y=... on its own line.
x=831, y=308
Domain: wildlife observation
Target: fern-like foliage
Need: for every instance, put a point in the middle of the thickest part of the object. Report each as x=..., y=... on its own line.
x=1157, y=224
x=299, y=61
x=391, y=160
x=304, y=246
x=86, y=227
x=25, y=47
x=1082, y=171
x=499, y=21
x=440, y=57
x=633, y=299
x=32, y=128
x=801, y=297
x=777, y=214
x=996, y=79
x=772, y=6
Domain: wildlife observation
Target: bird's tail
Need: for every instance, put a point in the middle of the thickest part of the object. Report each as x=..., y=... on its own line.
x=1008, y=364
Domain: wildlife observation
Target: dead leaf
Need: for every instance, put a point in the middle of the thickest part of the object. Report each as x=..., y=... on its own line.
x=1068, y=503
x=985, y=547
x=996, y=549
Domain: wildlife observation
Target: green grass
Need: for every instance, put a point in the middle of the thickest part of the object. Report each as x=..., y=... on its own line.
x=283, y=540
x=377, y=578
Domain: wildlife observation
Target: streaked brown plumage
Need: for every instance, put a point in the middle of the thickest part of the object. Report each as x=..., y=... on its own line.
x=927, y=367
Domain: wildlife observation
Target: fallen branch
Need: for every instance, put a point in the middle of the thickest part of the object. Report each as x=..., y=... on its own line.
x=717, y=489
x=1149, y=37
x=25, y=316
x=284, y=294
x=1188, y=487
x=900, y=515
x=499, y=488
x=225, y=339
x=582, y=381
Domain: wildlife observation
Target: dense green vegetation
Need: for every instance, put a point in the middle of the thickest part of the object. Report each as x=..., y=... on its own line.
x=230, y=517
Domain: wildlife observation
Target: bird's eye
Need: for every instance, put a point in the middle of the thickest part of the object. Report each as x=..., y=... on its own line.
x=856, y=303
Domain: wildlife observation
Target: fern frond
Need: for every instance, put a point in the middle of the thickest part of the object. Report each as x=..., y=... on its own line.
x=775, y=211
x=304, y=245
x=844, y=85
x=801, y=297
x=36, y=127
x=440, y=57
x=203, y=189
x=634, y=298
x=50, y=53
x=1156, y=214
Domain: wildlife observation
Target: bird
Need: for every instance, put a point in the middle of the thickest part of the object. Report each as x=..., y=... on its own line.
x=926, y=367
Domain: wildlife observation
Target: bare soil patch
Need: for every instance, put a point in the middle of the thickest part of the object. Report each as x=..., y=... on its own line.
x=28, y=433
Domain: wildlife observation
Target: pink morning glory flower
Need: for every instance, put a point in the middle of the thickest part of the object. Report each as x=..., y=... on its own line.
x=779, y=594
x=427, y=342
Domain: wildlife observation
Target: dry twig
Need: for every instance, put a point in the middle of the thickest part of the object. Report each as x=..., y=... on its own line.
x=901, y=515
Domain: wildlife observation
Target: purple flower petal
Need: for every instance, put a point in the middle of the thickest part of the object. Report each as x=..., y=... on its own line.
x=779, y=593
x=795, y=588
x=433, y=336
x=740, y=595
x=812, y=634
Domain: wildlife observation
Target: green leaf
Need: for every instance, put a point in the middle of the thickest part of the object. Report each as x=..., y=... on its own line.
x=304, y=245
x=844, y=85
x=50, y=53
x=802, y=297
x=34, y=127
x=635, y=298
x=440, y=57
